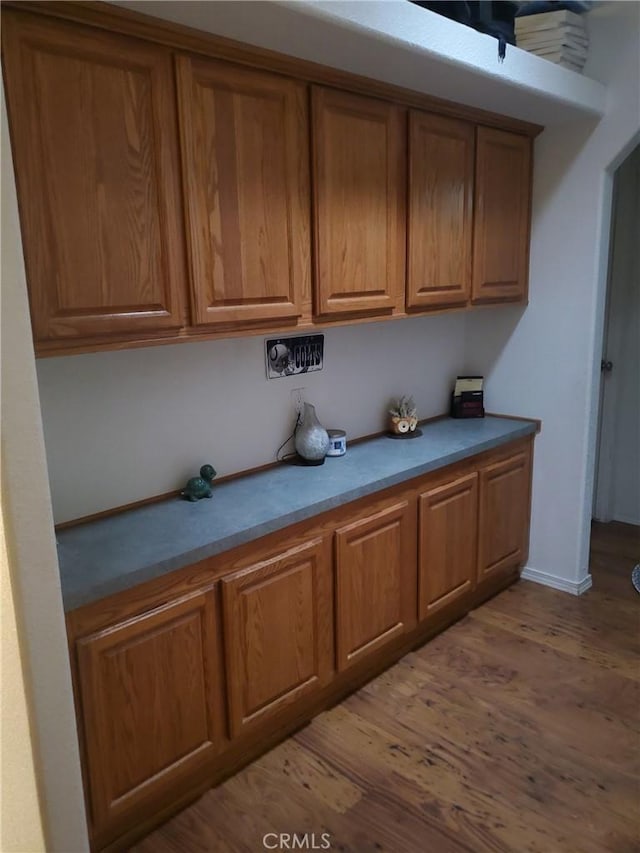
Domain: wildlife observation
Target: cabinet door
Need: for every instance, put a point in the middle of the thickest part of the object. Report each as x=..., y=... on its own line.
x=277, y=619
x=245, y=158
x=151, y=705
x=94, y=136
x=375, y=581
x=503, y=532
x=439, y=223
x=502, y=212
x=358, y=162
x=448, y=541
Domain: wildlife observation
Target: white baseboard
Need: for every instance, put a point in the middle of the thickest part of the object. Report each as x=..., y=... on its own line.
x=556, y=582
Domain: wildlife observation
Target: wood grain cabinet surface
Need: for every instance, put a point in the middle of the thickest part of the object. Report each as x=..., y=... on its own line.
x=278, y=632
x=358, y=203
x=504, y=510
x=448, y=540
x=440, y=211
x=375, y=566
x=151, y=697
x=167, y=195
x=501, y=216
x=94, y=138
x=245, y=159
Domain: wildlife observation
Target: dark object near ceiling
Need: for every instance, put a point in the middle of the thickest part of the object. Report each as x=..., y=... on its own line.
x=486, y=16
x=537, y=7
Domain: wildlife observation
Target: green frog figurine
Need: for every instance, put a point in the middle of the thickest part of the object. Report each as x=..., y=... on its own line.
x=200, y=487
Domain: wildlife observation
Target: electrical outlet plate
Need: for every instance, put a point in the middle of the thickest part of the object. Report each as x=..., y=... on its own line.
x=294, y=355
x=297, y=400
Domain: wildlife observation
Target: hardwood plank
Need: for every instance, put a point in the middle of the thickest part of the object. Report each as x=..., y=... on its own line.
x=595, y=614
x=571, y=708
x=617, y=539
x=577, y=640
x=490, y=734
x=300, y=811
x=414, y=771
x=316, y=775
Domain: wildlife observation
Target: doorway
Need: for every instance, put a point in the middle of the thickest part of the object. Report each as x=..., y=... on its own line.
x=617, y=491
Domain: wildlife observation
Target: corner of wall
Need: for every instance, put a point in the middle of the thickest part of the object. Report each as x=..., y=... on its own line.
x=36, y=602
x=21, y=825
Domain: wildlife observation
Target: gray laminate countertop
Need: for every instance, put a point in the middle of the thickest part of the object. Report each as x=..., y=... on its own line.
x=115, y=553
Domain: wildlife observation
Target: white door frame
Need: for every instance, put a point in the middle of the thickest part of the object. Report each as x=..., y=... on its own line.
x=613, y=350
x=603, y=492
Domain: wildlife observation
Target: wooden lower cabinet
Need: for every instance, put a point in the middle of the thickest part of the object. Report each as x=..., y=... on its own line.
x=149, y=689
x=177, y=688
x=448, y=534
x=278, y=633
x=505, y=505
x=375, y=565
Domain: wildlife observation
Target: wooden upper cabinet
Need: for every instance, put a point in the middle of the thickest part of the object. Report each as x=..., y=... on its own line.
x=359, y=175
x=375, y=581
x=504, y=511
x=439, y=222
x=448, y=539
x=502, y=216
x=278, y=632
x=245, y=159
x=151, y=703
x=94, y=138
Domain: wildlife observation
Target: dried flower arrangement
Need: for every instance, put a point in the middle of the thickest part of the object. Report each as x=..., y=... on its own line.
x=404, y=416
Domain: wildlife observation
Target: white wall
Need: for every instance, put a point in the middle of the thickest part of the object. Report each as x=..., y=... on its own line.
x=20, y=818
x=544, y=361
x=121, y=426
x=32, y=559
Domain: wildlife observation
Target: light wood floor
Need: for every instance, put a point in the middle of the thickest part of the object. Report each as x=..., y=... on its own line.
x=514, y=730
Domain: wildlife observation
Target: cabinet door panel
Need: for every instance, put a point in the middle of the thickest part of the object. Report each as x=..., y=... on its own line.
x=505, y=491
x=151, y=704
x=447, y=542
x=375, y=581
x=502, y=211
x=245, y=155
x=359, y=172
x=94, y=135
x=277, y=617
x=439, y=223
